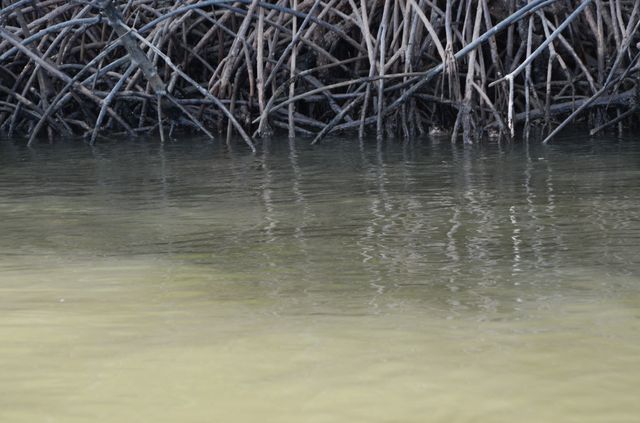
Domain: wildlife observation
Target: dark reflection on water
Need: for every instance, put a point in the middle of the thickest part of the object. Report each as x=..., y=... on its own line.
x=456, y=227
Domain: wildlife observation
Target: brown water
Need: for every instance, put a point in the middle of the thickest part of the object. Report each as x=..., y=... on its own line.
x=417, y=282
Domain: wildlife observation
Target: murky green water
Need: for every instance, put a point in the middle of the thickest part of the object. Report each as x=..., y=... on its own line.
x=397, y=283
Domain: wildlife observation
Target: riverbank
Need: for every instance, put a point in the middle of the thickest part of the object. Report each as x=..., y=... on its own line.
x=310, y=68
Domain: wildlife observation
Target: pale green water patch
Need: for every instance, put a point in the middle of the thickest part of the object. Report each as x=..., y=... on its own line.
x=415, y=282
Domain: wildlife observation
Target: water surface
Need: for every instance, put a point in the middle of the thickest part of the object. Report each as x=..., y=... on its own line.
x=416, y=282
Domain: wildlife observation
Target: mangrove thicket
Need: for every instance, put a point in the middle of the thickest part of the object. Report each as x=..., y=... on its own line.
x=242, y=69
